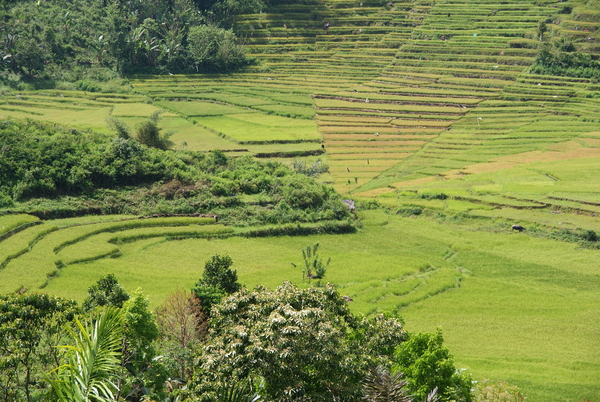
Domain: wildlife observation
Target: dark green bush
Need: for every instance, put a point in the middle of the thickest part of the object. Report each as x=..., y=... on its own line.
x=86, y=85
x=408, y=211
x=215, y=49
x=433, y=196
x=561, y=58
x=54, y=173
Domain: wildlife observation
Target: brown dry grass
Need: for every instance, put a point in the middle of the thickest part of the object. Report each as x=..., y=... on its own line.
x=357, y=128
x=422, y=123
x=362, y=161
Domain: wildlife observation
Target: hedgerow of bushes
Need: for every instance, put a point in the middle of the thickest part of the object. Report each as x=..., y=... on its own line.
x=53, y=172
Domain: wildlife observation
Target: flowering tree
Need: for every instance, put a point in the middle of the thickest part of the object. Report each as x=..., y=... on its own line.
x=298, y=344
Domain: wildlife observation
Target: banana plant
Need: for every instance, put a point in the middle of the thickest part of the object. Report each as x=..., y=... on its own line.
x=314, y=267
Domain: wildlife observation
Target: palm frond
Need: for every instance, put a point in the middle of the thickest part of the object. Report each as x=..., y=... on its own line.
x=433, y=396
x=92, y=361
x=383, y=386
x=240, y=392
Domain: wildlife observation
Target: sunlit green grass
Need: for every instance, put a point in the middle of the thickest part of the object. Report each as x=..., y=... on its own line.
x=511, y=306
x=31, y=269
x=525, y=310
x=200, y=108
x=10, y=222
x=20, y=243
x=82, y=119
x=195, y=137
x=134, y=109
x=258, y=127
x=305, y=112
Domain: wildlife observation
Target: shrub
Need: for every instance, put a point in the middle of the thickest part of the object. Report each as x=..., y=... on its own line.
x=407, y=211
x=590, y=235
x=427, y=365
x=560, y=58
x=148, y=133
x=86, y=85
x=215, y=49
x=433, y=196
x=313, y=170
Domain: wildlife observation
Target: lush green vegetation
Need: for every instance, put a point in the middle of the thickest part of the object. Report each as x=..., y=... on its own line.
x=561, y=58
x=291, y=344
x=469, y=276
x=92, y=43
x=452, y=121
x=53, y=172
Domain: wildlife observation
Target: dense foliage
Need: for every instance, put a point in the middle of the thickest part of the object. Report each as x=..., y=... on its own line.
x=427, y=364
x=54, y=172
x=561, y=58
x=218, y=280
x=84, y=41
x=30, y=327
x=93, y=360
x=289, y=344
x=293, y=344
x=107, y=292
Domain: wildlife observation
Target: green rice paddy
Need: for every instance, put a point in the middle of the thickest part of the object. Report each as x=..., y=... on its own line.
x=426, y=107
x=509, y=306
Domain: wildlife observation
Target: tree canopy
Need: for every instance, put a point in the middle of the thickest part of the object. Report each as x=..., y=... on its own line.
x=218, y=280
x=287, y=344
x=90, y=41
x=106, y=292
x=54, y=172
x=427, y=365
x=294, y=344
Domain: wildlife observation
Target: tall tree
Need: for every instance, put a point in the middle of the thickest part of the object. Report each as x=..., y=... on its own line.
x=106, y=292
x=141, y=372
x=427, y=364
x=215, y=49
x=27, y=322
x=218, y=280
x=182, y=325
x=301, y=344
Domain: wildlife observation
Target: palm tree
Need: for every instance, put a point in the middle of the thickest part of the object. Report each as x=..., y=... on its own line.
x=314, y=267
x=383, y=386
x=93, y=360
x=238, y=392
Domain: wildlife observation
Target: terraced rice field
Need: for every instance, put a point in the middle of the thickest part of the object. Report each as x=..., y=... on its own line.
x=402, y=96
x=398, y=94
x=416, y=104
x=509, y=307
x=390, y=94
x=399, y=98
